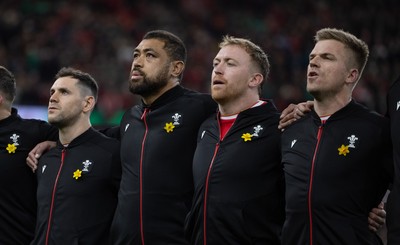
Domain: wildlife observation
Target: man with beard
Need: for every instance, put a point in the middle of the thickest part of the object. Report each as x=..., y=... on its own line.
x=158, y=139
x=239, y=186
x=78, y=180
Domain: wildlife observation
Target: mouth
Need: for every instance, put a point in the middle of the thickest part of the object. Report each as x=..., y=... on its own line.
x=135, y=74
x=51, y=108
x=217, y=82
x=312, y=74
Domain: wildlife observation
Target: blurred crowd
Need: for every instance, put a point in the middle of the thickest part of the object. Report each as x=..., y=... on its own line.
x=37, y=37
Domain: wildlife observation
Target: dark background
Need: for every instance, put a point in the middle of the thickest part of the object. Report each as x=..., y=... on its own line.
x=98, y=37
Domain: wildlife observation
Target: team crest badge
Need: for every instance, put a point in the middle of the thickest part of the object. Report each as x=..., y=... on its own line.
x=345, y=149
x=12, y=147
x=256, y=133
x=86, y=167
x=176, y=121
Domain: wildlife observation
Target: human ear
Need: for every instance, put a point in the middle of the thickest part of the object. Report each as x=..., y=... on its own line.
x=256, y=80
x=353, y=76
x=89, y=103
x=177, y=68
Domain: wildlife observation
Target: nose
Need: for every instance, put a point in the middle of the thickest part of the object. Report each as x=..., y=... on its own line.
x=313, y=62
x=217, y=69
x=53, y=98
x=137, y=61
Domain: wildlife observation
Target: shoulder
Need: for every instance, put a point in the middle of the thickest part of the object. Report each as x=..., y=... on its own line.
x=369, y=115
x=104, y=142
x=198, y=97
x=395, y=86
x=34, y=122
x=39, y=129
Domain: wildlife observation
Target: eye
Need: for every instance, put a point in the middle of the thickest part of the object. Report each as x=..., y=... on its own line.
x=328, y=57
x=215, y=63
x=150, y=55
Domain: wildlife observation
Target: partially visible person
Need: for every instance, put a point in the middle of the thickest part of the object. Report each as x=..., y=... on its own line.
x=393, y=206
x=338, y=158
x=78, y=180
x=18, y=184
x=238, y=177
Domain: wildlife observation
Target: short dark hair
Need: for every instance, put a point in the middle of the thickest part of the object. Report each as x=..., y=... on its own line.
x=84, y=79
x=8, y=85
x=173, y=45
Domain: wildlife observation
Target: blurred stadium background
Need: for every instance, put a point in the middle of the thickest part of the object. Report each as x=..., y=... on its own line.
x=38, y=37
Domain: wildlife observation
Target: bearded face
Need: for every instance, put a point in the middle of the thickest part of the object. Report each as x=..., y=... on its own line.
x=150, y=71
x=148, y=83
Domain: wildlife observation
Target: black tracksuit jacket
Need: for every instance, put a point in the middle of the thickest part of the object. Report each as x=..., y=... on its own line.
x=239, y=186
x=393, y=207
x=17, y=181
x=157, y=146
x=78, y=210
x=335, y=174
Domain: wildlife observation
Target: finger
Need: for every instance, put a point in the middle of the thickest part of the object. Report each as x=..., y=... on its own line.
x=303, y=108
x=379, y=220
x=298, y=113
x=286, y=119
x=372, y=228
x=31, y=162
x=375, y=220
x=310, y=104
x=283, y=125
x=288, y=110
x=372, y=225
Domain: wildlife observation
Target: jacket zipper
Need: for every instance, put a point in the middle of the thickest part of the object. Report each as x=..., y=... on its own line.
x=63, y=152
x=208, y=180
x=319, y=135
x=141, y=176
x=206, y=195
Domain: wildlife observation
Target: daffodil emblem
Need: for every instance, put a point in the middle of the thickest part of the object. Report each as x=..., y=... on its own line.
x=247, y=137
x=11, y=148
x=77, y=174
x=169, y=127
x=343, y=150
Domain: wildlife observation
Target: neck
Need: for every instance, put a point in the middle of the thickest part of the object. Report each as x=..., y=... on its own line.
x=237, y=105
x=148, y=100
x=329, y=107
x=69, y=133
x=4, y=113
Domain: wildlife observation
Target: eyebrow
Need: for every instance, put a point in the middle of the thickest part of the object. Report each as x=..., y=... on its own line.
x=144, y=50
x=62, y=89
x=321, y=54
x=226, y=59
